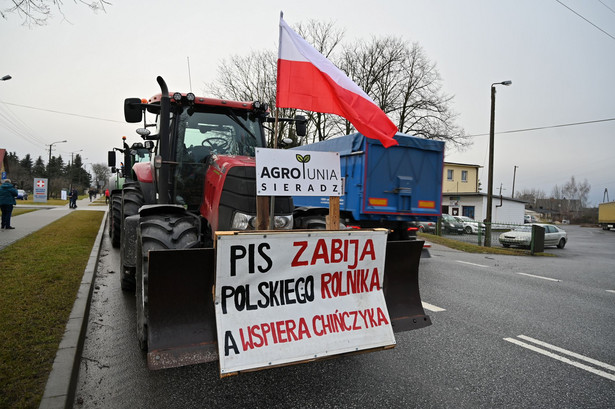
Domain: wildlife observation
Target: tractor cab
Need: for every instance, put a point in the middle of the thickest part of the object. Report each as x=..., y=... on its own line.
x=203, y=134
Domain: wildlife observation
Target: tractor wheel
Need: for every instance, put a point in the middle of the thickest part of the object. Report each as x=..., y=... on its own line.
x=132, y=200
x=159, y=232
x=116, y=220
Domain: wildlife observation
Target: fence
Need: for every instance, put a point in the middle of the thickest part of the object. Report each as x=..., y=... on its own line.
x=475, y=234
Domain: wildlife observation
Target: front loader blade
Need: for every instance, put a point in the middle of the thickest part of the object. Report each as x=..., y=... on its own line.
x=181, y=319
x=401, y=285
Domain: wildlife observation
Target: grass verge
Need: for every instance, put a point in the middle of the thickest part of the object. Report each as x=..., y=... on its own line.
x=473, y=248
x=39, y=279
x=17, y=212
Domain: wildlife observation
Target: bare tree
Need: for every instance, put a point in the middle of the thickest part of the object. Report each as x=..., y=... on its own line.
x=38, y=12
x=101, y=174
x=531, y=195
x=396, y=75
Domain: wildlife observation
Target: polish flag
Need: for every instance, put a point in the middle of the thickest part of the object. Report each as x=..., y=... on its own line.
x=307, y=80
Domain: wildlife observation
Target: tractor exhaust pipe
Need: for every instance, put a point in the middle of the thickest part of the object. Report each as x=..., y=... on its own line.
x=165, y=150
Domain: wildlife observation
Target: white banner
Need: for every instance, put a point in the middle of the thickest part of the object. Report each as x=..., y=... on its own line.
x=296, y=296
x=285, y=172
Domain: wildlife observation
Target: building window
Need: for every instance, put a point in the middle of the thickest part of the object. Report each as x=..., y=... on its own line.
x=449, y=174
x=464, y=175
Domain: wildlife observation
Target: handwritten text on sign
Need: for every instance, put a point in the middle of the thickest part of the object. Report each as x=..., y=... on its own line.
x=283, y=172
x=289, y=297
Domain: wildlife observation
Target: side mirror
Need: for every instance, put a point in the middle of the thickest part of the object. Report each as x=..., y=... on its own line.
x=300, y=125
x=111, y=159
x=132, y=110
x=113, y=169
x=149, y=145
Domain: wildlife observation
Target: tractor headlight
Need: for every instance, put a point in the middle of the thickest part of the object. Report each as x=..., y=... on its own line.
x=242, y=221
x=283, y=222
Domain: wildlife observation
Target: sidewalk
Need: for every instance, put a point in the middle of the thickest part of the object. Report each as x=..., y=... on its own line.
x=30, y=222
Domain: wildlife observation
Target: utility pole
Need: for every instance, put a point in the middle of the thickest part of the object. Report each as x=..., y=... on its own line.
x=514, y=175
x=490, y=183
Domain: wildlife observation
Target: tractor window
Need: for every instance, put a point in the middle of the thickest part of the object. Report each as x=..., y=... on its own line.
x=202, y=134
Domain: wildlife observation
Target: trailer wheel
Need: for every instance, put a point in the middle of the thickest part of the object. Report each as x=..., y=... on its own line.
x=159, y=232
x=116, y=220
x=132, y=200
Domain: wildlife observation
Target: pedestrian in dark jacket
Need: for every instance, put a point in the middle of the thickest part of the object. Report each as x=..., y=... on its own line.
x=8, y=193
x=74, y=194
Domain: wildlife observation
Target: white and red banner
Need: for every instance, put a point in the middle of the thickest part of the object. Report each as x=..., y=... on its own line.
x=308, y=80
x=297, y=296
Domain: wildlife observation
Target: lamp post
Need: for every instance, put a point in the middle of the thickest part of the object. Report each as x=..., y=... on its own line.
x=514, y=176
x=51, y=146
x=490, y=182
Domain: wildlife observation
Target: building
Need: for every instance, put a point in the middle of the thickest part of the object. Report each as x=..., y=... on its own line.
x=4, y=164
x=461, y=196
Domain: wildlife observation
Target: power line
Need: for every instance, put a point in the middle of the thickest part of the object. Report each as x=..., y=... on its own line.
x=63, y=113
x=585, y=19
x=549, y=127
x=606, y=6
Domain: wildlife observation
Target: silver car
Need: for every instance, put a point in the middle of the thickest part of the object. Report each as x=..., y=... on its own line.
x=522, y=236
x=470, y=226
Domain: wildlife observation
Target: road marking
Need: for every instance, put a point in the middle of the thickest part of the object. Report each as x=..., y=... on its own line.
x=544, y=278
x=432, y=308
x=472, y=264
x=564, y=359
x=572, y=354
x=610, y=291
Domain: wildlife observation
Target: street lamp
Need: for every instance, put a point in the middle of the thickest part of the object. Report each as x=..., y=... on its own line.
x=51, y=146
x=490, y=182
x=6, y=78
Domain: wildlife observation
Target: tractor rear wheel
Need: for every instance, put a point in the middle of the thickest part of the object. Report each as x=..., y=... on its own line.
x=132, y=200
x=159, y=232
x=116, y=220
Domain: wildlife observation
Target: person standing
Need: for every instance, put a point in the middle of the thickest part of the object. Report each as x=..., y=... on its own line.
x=8, y=193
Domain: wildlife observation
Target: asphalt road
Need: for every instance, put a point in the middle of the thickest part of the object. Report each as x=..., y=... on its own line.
x=507, y=332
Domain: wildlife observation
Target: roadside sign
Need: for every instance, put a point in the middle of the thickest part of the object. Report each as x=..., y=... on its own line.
x=40, y=189
x=298, y=296
x=284, y=172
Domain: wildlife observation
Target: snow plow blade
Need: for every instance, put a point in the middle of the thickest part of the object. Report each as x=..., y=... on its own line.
x=182, y=322
x=401, y=285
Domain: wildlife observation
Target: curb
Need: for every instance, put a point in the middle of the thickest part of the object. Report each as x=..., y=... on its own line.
x=62, y=381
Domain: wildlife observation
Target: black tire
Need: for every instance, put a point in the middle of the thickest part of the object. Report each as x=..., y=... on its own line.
x=561, y=244
x=506, y=245
x=468, y=230
x=158, y=232
x=132, y=200
x=116, y=220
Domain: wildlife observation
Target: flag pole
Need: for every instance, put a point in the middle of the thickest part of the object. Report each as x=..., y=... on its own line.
x=275, y=144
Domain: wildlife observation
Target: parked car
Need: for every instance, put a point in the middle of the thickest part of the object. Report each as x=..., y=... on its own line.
x=528, y=218
x=427, y=227
x=521, y=236
x=451, y=225
x=470, y=226
x=22, y=194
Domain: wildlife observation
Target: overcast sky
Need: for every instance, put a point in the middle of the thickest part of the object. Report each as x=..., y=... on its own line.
x=71, y=76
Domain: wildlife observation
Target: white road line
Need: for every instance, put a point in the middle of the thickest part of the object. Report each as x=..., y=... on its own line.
x=472, y=264
x=544, y=278
x=572, y=354
x=432, y=308
x=562, y=359
x=610, y=291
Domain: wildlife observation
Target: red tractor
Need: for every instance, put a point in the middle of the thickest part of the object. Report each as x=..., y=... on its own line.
x=202, y=179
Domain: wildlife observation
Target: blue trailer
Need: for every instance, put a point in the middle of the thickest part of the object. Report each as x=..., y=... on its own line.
x=383, y=187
